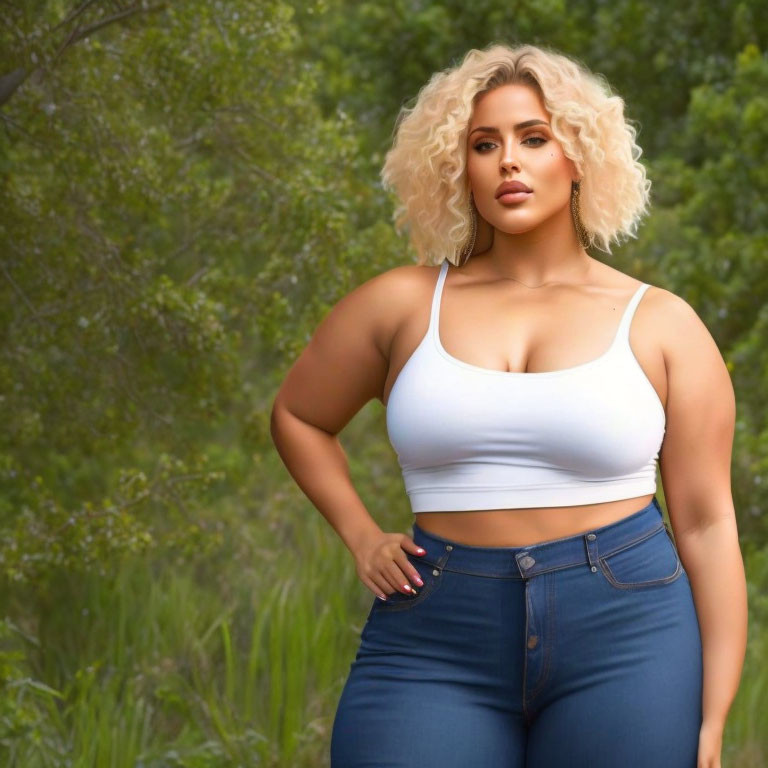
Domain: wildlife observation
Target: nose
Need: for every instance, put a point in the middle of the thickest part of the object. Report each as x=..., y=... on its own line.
x=508, y=163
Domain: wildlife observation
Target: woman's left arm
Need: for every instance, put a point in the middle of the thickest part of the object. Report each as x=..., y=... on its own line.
x=695, y=465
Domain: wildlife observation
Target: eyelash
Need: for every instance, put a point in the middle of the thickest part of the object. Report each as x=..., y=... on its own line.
x=482, y=151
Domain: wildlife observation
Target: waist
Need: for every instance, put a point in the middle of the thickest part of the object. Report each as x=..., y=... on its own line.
x=529, y=560
x=519, y=527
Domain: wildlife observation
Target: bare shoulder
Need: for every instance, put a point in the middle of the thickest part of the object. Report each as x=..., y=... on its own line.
x=685, y=338
x=346, y=361
x=389, y=298
x=382, y=303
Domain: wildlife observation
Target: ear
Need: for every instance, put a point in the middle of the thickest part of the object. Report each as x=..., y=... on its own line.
x=576, y=174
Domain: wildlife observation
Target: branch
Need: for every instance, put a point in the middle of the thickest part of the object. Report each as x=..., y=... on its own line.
x=10, y=82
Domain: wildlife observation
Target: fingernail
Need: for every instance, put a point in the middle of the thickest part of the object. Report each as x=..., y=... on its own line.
x=407, y=587
x=419, y=582
x=382, y=597
x=420, y=550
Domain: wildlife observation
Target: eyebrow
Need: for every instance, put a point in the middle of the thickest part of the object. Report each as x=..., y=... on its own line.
x=518, y=127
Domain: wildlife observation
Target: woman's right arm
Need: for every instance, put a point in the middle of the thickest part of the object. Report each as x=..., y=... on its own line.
x=345, y=365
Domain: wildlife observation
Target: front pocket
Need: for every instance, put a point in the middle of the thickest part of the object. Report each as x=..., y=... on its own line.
x=431, y=575
x=650, y=562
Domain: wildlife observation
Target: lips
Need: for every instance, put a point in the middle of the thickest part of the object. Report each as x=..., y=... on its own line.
x=512, y=186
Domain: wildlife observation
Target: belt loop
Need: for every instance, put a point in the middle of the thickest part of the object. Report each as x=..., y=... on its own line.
x=590, y=539
x=447, y=548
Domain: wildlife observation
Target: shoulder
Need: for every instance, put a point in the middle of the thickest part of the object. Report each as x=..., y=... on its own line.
x=377, y=307
x=687, y=345
x=384, y=291
x=387, y=299
x=696, y=370
x=685, y=336
x=660, y=308
x=399, y=283
x=405, y=278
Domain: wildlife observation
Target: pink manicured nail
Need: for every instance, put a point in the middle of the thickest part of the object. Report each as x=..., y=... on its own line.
x=420, y=551
x=407, y=587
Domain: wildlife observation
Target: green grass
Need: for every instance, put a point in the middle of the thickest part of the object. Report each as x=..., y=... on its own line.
x=237, y=661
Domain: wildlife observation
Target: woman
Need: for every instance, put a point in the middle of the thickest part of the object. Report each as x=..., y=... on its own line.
x=540, y=615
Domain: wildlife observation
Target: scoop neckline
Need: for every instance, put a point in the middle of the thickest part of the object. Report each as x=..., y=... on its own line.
x=539, y=374
x=438, y=344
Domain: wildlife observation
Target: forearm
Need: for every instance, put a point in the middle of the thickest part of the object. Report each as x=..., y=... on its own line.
x=712, y=558
x=317, y=462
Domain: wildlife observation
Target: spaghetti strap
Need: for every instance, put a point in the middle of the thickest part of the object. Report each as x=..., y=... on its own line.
x=436, y=298
x=626, y=320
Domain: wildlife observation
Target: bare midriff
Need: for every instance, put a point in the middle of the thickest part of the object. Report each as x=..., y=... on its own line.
x=525, y=527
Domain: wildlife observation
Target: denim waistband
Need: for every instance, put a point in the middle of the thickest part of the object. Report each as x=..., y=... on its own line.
x=522, y=562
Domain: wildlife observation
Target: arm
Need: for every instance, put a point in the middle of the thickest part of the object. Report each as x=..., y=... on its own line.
x=344, y=366
x=695, y=464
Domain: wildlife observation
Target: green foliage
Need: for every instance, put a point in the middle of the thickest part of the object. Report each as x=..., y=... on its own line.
x=707, y=242
x=186, y=189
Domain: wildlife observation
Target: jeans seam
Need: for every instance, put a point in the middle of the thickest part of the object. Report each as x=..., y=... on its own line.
x=640, y=584
x=549, y=631
x=642, y=537
x=526, y=713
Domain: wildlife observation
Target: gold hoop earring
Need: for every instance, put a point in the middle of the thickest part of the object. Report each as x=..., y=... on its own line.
x=581, y=231
x=467, y=250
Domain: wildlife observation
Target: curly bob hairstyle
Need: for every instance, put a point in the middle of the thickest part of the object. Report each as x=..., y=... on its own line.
x=426, y=165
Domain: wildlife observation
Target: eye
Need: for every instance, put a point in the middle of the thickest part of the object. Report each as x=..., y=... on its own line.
x=480, y=144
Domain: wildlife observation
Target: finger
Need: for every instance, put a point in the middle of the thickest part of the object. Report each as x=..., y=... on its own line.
x=382, y=583
x=411, y=573
x=394, y=573
x=409, y=545
x=377, y=591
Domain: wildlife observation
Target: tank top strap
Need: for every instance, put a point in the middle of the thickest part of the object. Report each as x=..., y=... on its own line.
x=622, y=333
x=437, y=296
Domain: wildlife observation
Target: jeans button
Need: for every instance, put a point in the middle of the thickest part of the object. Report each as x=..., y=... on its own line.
x=591, y=536
x=527, y=561
x=448, y=547
x=435, y=572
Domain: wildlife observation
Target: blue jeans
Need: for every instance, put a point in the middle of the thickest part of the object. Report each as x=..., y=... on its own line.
x=580, y=652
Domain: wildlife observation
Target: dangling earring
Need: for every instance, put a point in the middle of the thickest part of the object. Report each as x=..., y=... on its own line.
x=576, y=213
x=467, y=250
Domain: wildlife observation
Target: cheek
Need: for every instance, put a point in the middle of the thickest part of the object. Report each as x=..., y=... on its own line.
x=553, y=167
x=477, y=170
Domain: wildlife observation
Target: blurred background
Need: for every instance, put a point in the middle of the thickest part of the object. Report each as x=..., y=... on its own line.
x=186, y=189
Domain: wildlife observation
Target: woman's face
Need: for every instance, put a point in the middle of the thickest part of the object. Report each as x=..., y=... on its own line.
x=499, y=149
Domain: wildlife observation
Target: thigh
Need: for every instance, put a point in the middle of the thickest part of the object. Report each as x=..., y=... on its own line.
x=622, y=721
x=386, y=721
x=435, y=682
x=625, y=681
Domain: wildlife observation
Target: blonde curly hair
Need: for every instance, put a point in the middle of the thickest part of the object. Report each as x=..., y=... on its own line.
x=426, y=165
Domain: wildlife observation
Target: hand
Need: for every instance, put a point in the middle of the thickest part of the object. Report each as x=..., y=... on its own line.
x=382, y=564
x=710, y=746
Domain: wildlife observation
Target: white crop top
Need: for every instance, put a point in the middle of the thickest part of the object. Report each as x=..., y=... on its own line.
x=471, y=438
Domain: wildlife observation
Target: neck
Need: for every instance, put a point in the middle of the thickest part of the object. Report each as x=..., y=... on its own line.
x=548, y=253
